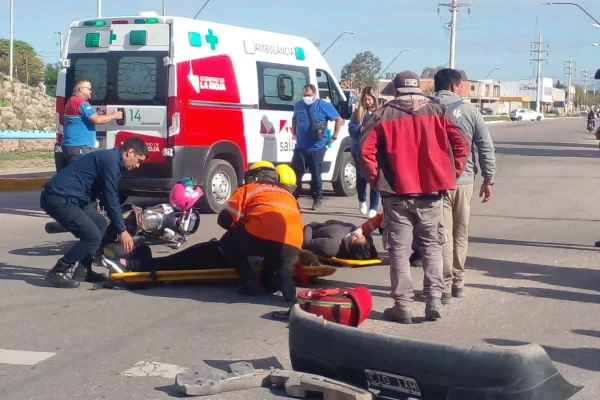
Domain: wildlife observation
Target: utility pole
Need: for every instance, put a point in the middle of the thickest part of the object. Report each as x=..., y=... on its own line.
x=569, y=72
x=164, y=7
x=99, y=12
x=585, y=76
x=12, y=38
x=454, y=6
x=539, y=54
x=60, y=44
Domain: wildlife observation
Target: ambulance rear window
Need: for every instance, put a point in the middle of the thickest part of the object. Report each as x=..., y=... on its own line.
x=121, y=78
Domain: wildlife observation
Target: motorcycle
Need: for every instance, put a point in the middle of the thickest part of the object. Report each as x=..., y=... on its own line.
x=161, y=222
x=171, y=222
x=591, y=125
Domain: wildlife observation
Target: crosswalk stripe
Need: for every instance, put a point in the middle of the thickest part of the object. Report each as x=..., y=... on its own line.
x=23, y=357
x=153, y=368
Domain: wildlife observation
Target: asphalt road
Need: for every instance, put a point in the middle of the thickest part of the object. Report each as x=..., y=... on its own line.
x=533, y=277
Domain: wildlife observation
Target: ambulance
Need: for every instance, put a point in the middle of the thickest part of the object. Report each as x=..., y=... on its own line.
x=209, y=99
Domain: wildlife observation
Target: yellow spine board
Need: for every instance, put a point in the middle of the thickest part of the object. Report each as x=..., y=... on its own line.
x=351, y=263
x=228, y=274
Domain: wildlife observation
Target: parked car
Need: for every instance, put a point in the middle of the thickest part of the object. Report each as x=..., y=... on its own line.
x=526, y=114
x=487, y=111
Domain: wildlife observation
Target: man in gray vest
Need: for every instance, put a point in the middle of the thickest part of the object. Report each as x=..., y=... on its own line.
x=457, y=203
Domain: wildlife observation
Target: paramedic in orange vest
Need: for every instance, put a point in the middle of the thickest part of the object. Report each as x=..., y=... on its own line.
x=263, y=219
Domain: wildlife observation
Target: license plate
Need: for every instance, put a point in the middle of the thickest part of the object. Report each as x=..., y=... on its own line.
x=397, y=383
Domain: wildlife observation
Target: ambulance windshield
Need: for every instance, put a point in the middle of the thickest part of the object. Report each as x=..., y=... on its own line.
x=121, y=78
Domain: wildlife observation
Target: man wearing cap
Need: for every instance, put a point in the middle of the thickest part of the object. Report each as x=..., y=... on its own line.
x=412, y=150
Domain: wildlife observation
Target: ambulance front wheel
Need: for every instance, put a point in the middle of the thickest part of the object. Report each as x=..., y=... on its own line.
x=345, y=184
x=219, y=184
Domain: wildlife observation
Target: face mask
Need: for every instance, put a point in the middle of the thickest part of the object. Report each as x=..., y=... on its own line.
x=308, y=100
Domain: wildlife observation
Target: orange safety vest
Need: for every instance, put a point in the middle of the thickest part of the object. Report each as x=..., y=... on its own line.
x=269, y=212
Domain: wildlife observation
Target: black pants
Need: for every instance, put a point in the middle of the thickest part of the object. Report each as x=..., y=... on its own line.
x=199, y=256
x=68, y=155
x=278, y=258
x=313, y=160
x=85, y=223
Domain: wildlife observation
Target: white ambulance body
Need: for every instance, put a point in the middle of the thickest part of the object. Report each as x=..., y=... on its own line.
x=209, y=99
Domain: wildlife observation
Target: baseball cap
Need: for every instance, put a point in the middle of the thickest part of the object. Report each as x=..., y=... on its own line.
x=407, y=82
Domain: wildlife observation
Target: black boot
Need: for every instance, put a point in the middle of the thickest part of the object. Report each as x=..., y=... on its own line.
x=58, y=276
x=286, y=284
x=84, y=272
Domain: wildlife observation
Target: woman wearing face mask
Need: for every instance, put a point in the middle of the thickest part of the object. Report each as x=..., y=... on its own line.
x=368, y=105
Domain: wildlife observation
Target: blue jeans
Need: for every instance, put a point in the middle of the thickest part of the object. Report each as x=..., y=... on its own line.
x=313, y=160
x=361, y=189
x=85, y=223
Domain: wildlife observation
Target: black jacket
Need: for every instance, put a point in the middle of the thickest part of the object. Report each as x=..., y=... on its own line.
x=91, y=174
x=327, y=239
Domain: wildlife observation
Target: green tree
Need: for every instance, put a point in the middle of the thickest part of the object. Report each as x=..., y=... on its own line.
x=28, y=67
x=559, y=85
x=50, y=78
x=429, y=73
x=390, y=75
x=363, y=70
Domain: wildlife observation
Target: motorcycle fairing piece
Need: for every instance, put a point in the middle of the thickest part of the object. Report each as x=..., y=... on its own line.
x=393, y=367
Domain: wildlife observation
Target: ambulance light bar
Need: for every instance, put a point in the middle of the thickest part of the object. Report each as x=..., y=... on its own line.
x=97, y=22
x=146, y=21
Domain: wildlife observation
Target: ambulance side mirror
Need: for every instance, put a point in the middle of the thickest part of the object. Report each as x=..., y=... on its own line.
x=285, y=87
x=597, y=76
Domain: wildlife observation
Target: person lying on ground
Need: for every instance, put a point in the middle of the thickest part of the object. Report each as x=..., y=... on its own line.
x=202, y=256
x=341, y=239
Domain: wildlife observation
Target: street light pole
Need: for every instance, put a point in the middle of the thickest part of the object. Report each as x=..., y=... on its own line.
x=207, y=1
x=576, y=5
x=338, y=38
x=479, y=89
x=164, y=11
x=389, y=65
x=12, y=38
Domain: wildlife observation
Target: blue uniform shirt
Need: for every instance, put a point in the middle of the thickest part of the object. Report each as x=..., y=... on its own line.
x=320, y=111
x=79, y=130
x=98, y=170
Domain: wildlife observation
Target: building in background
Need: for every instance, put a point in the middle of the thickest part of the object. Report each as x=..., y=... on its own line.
x=522, y=93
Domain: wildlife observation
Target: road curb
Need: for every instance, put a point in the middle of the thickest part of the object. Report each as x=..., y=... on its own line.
x=22, y=184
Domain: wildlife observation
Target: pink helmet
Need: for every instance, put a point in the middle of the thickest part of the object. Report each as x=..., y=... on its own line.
x=184, y=195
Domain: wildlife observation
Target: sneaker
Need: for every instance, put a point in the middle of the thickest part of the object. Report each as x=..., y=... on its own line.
x=397, y=314
x=317, y=205
x=58, y=276
x=362, y=207
x=372, y=213
x=433, y=308
x=84, y=273
x=116, y=265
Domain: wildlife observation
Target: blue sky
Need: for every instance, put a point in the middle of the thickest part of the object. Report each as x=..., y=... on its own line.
x=496, y=34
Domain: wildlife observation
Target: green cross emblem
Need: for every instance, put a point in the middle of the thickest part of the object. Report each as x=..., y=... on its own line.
x=113, y=36
x=212, y=40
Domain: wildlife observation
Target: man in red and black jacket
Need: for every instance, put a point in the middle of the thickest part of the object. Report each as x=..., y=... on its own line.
x=411, y=151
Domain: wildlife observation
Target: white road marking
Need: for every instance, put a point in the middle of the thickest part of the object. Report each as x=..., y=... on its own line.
x=153, y=368
x=23, y=357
